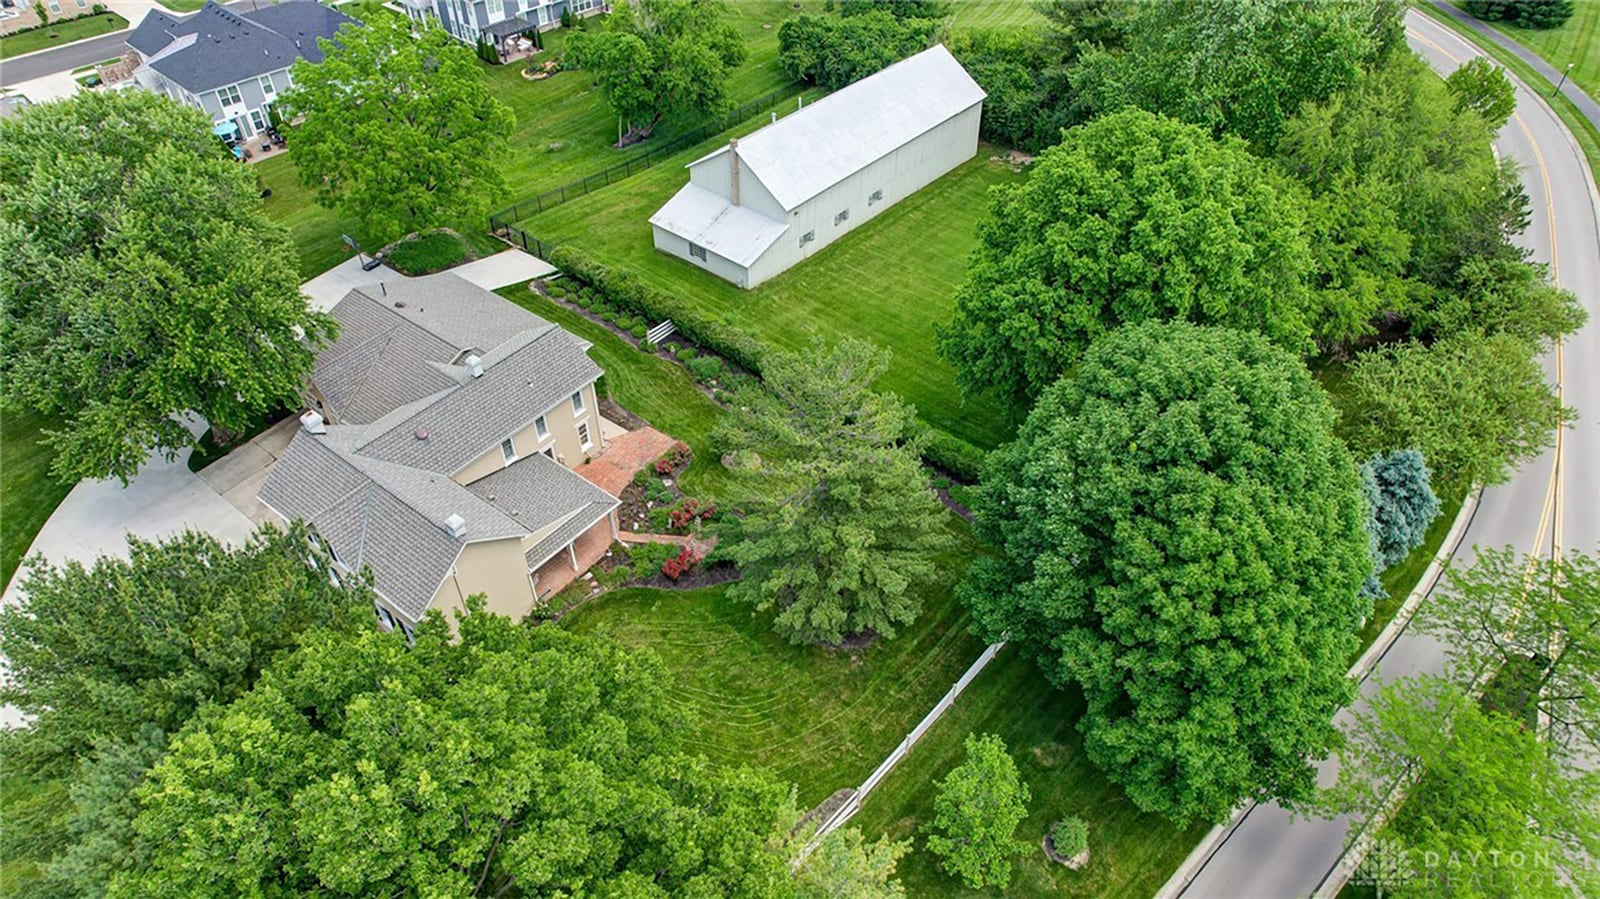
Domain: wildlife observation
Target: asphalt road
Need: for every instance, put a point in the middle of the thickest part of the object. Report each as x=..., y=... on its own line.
x=1552, y=502
x=81, y=53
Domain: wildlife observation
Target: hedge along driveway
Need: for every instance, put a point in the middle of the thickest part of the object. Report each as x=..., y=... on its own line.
x=888, y=281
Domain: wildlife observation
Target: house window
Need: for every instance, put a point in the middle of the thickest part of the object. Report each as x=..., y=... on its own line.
x=843, y=216
x=808, y=237
x=577, y=402
x=508, y=450
x=496, y=8
x=266, y=85
x=385, y=618
x=83, y=4
x=697, y=252
x=229, y=96
x=540, y=428
x=55, y=7
x=583, y=434
x=877, y=197
x=258, y=120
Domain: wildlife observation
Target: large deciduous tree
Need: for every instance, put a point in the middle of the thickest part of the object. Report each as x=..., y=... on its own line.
x=661, y=61
x=1480, y=85
x=842, y=522
x=400, y=130
x=1132, y=217
x=1473, y=405
x=1491, y=813
x=504, y=760
x=1180, y=534
x=832, y=52
x=1239, y=67
x=976, y=813
x=845, y=866
x=1538, y=621
x=142, y=280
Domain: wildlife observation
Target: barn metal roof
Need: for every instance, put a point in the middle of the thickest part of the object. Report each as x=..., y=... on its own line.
x=733, y=232
x=807, y=152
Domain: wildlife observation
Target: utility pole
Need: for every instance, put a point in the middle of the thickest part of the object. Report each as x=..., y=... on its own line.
x=1562, y=81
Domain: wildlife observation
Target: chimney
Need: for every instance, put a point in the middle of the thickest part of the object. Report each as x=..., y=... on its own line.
x=456, y=525
x=312, y=422
x=733, y=171
x=475, y=366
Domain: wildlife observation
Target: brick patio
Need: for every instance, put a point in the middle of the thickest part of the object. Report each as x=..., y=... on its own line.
x=613, y=469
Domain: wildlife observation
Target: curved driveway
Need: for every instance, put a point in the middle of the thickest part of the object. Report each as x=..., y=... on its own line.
x=1552, y=502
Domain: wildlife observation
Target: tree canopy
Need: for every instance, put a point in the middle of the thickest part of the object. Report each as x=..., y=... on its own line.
x=976, y=813
x=511, y=757
x=1180, y=535
x=832, y=52
x=1473, y=405
x=1479, y=85
x=842, y=521
x=661, y=60
x=1132, y=217
x=1400, y=506
x=1538, y=621
x=1522, y=13
x=1240, y=67
x=400, y=129
x=1492, y=812
x=142, y=279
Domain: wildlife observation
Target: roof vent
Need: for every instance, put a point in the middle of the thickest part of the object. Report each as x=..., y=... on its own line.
x=475, y=366
x=456, y=525
x=312, y=422
x=422, y=433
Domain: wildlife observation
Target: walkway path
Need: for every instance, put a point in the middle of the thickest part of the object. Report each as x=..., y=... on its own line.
x=1570, y=90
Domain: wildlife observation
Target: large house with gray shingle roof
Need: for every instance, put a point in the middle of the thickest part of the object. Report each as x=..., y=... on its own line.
x=231, y=65
x=438, y=450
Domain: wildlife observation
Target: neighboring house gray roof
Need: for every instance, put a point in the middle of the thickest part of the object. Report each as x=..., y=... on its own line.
x=379, y=494
x=803, y=154
x=217, y=47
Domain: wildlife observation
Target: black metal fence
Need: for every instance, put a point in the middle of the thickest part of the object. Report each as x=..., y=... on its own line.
x=500, y=222
x=518, y=237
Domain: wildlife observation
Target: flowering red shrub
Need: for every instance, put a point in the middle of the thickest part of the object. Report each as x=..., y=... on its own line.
x=681, y=564
x=688, y=512
x=672, y=458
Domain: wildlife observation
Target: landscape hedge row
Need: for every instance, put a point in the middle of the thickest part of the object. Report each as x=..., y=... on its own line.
x=628, y=292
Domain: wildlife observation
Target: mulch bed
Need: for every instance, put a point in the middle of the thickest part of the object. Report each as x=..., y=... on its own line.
x=614, y=412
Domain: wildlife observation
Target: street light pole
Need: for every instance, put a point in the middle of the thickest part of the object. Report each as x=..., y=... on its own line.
x=1562, y=81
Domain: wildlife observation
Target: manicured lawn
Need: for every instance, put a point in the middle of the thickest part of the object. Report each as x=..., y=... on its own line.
x=28, y=494
x=889, y=281
x=822, y=719
x=1576, y=42
x=63, y=33
x=973, y=14
x=182, y=5
x=651, y=387
x=1131, y=853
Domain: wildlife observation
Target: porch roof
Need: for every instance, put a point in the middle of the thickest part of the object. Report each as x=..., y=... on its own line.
x=509, y=27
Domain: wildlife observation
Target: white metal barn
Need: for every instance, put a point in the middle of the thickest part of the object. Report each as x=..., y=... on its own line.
x=762, y=203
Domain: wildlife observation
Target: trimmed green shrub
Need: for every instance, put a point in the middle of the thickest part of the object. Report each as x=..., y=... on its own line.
x=705, y=368
x=556, y=290
x=646, y=346
x=584, y=302
x=607, y=315
x=1069, y=837
x=631, y=293
x=638, y=331
x=685, y=354
x=963, y=460
x=625, y=322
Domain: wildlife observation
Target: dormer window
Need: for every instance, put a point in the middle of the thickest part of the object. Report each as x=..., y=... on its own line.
x=577, y=403
x=541, y=428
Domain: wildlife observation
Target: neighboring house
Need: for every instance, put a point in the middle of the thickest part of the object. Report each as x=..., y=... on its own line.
x=445, y=422
x=231, y=65
x=761, y=204
x=497, y=21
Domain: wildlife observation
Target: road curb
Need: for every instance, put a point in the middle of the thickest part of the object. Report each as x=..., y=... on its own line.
x=1213, y=840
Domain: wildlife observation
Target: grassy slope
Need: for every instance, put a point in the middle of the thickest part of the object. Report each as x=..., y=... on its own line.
x=64, y=33
x=971, y=14
x=1577, y=42
x=822, y=719
x=891, y=280
x=1131, y=853
x=29, y=493
x=655, y=389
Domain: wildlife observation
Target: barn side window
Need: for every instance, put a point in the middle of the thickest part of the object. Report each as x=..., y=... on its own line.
x=807, y=237
x=697, y=252
x=842, y=217
x=877, y=197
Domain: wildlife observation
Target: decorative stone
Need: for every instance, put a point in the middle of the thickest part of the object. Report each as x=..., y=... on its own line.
x=666, y=481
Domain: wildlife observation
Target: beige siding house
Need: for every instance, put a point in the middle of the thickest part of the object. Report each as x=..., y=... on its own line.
x=767, y=201
x=438, y=448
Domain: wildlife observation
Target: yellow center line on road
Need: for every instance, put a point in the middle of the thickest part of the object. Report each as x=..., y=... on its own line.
x=1550, y=513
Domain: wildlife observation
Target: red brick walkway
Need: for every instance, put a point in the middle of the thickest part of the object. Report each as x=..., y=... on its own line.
x=613, y=469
